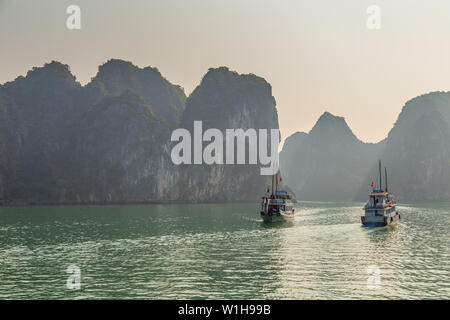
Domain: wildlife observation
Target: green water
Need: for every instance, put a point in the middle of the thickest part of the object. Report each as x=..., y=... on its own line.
x=222, y=252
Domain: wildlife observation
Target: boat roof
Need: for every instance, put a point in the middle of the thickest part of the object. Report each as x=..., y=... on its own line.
x=378, y=193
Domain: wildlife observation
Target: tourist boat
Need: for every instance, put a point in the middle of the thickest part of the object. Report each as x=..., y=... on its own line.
x=277, y=205
x=381, y=209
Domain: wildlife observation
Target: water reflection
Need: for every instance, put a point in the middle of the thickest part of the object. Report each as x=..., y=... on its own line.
x=222, y=252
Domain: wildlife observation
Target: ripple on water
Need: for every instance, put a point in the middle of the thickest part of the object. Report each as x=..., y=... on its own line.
x=222, y=252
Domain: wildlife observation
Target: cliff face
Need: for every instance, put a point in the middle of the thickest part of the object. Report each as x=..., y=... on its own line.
x=62, y=142
x=40, y=112
x=109, y=141
x=330, y=163
x=417, y=153
x=227, y=100
x=119, y=150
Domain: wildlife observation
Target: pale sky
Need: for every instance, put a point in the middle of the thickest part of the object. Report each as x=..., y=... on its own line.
x=318, y=55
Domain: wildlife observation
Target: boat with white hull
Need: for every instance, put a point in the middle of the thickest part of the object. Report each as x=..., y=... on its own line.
x=381, y=209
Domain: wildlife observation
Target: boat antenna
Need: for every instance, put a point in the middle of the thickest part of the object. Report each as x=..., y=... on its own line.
x=379, y=165
x=385, y=175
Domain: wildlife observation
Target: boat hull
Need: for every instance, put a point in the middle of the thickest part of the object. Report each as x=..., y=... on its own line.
x=380, y=221
x=277, y=217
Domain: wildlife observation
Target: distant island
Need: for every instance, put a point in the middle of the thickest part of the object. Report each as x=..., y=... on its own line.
x=331, y=164
x=109, y=141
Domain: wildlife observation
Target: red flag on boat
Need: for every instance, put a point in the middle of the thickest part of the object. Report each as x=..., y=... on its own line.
x=372, y=184
x=281, y=179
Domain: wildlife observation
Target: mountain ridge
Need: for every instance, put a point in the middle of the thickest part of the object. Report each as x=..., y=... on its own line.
x=109, y=140
x=418, y=164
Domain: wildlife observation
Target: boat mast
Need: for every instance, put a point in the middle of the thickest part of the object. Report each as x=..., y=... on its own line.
x=379, y=165
x=272, y=184
x=276, y=183
x=385, y=178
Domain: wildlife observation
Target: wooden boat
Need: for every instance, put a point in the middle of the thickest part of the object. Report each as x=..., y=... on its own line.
x=278, y=205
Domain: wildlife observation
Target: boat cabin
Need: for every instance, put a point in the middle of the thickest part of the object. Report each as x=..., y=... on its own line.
x=279, y=200
x=377, y=199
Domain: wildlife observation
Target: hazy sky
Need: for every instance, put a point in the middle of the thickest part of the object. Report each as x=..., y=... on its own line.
x=318, y=55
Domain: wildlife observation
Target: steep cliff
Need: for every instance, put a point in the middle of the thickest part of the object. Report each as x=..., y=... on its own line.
x=118, y=152
x=61, y=142
x=109, y=141
x=330, y=163
x=228, y=100
x=40, y=113
x=417, y=153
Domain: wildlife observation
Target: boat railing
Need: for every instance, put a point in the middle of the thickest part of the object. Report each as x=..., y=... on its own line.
x=374, y=206
x=277, y=201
